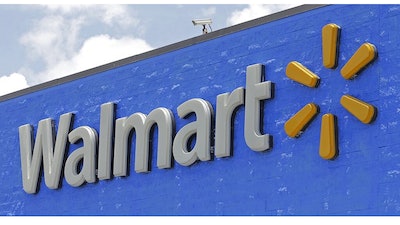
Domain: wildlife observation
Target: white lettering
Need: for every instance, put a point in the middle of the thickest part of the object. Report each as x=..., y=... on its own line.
x=201, y=128
x=86, y=154
x=52, y=154
x=80, y=166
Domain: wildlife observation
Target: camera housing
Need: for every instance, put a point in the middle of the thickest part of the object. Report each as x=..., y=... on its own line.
x=201, y=22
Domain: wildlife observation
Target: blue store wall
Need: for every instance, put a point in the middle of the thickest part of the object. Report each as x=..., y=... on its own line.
x=289, y=179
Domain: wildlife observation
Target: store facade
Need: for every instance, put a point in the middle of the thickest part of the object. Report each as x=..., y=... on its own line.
x=296, y=113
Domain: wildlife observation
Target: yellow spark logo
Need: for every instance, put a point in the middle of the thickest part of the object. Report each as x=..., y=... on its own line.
x=363, y=111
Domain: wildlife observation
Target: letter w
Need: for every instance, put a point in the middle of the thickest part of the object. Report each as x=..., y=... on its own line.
x=44, y=146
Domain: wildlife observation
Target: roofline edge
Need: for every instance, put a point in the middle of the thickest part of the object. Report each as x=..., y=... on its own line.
x=164, y=49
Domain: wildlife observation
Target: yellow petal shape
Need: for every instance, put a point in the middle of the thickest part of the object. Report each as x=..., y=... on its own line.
x=299, y=73
x=364, y=55
x=330, y=35
x=297, y=123
x=327, y=143
x=361, y=110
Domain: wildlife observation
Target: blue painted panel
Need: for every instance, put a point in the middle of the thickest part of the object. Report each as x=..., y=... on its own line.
x=290, y=179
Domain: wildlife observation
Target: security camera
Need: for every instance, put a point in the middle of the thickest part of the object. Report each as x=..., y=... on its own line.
x=201, y=22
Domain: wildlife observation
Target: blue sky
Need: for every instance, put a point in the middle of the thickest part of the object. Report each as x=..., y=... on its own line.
x=40, y=42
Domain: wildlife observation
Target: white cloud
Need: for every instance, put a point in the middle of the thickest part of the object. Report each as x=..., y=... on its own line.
x=108, y=14
x=208, y=12
x=253, y=12
x=58, y=40
x=96, y=51
x=11, y=83
x=53, y=38
x=112, y=14
x=64, y=8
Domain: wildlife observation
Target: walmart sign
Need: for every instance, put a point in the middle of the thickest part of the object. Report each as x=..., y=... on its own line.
x=256, y=91
x=53, y=153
